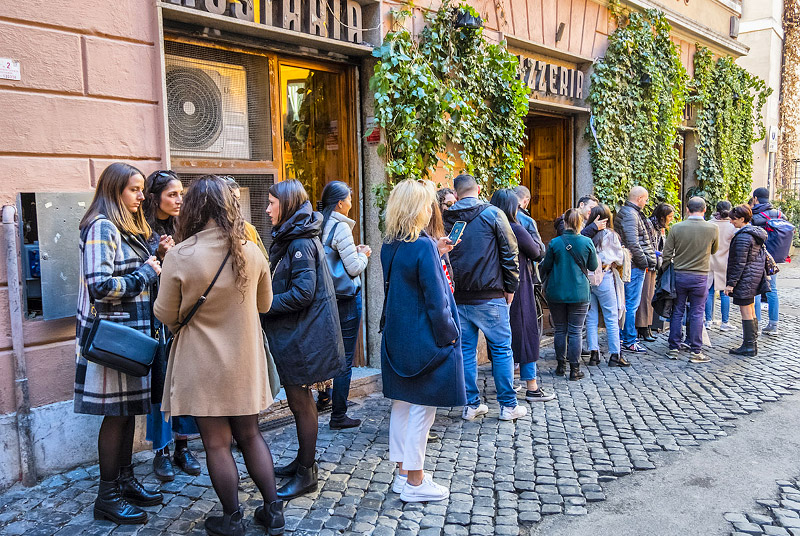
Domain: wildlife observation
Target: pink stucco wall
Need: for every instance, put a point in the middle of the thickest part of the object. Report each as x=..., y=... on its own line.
x=89, y=96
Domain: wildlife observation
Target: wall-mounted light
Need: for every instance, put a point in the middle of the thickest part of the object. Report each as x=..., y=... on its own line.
x=465, y=19
x=560, y=32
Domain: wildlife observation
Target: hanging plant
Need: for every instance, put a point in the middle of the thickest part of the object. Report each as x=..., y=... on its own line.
x=637, y=96
x=729, y=101
x=449, y=90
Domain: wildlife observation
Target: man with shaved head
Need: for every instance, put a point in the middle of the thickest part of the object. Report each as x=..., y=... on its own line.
x=634, y=231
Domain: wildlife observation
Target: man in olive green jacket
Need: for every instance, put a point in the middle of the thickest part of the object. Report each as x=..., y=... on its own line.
x=689, y=247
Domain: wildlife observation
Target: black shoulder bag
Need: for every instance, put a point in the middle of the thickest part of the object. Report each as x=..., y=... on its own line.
x=200, y=301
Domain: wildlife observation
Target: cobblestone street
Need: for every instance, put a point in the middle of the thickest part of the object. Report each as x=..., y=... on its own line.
x=504, y=478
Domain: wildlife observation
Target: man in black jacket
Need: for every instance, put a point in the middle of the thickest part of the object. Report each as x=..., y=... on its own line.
x=585, y=206
x=486, y=275
x=763, y=211
x=632, y=226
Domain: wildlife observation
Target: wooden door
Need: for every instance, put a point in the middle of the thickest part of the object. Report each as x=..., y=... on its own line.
x=547, y=170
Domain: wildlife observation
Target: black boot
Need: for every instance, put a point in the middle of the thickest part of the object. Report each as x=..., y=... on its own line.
x=111, y=506
x=162, y=466
x=270, y=516
x=575, y=372
x=561, y=368
x=641, y=334
x=594, y=358
x=184, y=459
x=342, y=422
x=748, y=347
x=648, y=335
x=304, y=481
x=226, y=525
x=617, y=360
x=287, y=470
x=133, y=491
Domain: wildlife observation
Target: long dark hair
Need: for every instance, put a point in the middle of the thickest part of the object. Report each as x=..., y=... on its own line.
x=600, y=212
x=291, y=195
x=154, y=186
x=333, y=192
x=210, y=198
x=660, y=214
x=506, y=200
x=108, y=201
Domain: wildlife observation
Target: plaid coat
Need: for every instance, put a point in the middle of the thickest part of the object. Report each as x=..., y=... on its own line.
x=114, y=273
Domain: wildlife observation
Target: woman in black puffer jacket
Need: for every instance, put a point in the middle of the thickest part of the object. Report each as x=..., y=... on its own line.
x=746, y=275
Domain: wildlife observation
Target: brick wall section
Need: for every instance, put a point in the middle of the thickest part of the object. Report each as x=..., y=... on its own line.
x=89, y=96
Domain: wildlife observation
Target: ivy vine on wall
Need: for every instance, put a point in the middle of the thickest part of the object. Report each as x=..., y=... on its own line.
x=729, y=101
x=449, y=91
x=638, y=93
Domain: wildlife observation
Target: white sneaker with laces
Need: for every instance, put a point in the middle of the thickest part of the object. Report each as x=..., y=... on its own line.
x=512, y=414
x=427, y=491
x=726, y=326
x=399, y=483
x=470, y=413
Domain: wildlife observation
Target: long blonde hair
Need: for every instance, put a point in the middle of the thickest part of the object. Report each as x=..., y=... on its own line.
x=409, y=209
x=108, y=201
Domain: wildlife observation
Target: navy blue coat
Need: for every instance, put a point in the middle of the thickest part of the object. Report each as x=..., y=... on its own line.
x=421, y=359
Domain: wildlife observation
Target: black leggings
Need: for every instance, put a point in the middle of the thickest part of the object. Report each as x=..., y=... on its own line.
x=302, y=405
x=115, y=445
x=216, y=434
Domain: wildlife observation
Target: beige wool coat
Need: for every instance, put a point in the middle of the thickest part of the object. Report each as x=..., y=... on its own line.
x=217, y=366
x=719, y=260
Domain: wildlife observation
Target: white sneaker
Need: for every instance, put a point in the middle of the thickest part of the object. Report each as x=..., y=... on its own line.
x=471, y=413
x=726, y=326
x=512, y=414
x=427, y=491
x=399, y=483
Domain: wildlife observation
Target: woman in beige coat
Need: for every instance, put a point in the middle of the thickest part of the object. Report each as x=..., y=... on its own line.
x=719, y=266
x=217, y=369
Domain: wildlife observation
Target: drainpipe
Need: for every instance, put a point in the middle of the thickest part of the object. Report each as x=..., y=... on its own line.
x=27, y=460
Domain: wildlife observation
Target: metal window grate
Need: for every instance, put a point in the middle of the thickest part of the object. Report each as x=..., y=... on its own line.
x=217, y=103
x=254, y=200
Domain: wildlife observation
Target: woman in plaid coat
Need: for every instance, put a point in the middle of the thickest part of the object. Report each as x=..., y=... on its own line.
x=118, y=274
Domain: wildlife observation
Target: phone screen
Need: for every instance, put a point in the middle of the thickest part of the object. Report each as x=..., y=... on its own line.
x=457, y=231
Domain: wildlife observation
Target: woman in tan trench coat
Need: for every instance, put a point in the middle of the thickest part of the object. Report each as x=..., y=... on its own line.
x=217, y=370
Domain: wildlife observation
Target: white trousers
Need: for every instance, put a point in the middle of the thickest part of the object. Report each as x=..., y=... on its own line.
x=408, y=434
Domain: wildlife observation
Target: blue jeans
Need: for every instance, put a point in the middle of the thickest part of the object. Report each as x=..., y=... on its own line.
x=159, y=431
x=772, y=300
x=604, y=299
x=633, y=295
x=568, y=321
x=492, y=319
x=350, y=320
x=691, y=288
x=725, y=305
x=527, y=371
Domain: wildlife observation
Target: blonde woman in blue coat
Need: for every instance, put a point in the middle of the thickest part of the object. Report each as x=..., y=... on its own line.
x=421, y=348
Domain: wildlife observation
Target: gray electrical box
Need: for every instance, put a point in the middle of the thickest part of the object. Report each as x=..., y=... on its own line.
x=58, y=216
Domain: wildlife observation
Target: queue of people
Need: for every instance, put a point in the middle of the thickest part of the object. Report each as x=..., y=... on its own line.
x=185, y=269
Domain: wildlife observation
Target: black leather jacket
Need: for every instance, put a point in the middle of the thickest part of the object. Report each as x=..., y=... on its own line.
x=633, y=229
x=485, y=262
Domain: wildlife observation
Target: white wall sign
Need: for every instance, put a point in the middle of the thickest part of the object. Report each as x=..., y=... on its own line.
x=9, y=69
x=773, y=140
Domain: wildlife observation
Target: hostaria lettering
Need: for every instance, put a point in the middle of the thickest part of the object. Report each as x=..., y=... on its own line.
x=548, y=79
x=288, y=14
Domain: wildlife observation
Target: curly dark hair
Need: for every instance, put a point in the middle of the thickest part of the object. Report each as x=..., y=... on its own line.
x=210, y=198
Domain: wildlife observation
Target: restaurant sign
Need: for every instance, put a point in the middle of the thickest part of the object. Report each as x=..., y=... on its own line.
x=335, y=19
x=547, y=79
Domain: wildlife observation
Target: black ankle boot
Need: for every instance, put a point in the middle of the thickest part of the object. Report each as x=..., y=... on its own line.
x=749, y=345
x=575, y=372
x=648, y=335
x=270, y=516
x=617, y=360
x=594, y=358
x=304, y=481
x=162, y=466
x=133, y=491
x=342, y=422
x=287, y=470
x=184, y=459
x=226, y=525
x=561, y=368
x=111, y=506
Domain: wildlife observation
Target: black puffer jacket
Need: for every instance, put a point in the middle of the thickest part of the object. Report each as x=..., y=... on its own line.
x=634, y=232
x=485, y=263
x=747, y=263
x=303, y=323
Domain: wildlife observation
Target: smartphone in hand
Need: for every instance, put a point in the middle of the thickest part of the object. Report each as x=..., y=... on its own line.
x=456, y=232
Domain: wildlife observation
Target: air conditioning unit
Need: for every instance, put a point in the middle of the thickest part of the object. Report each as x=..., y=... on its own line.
x=207, y=108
